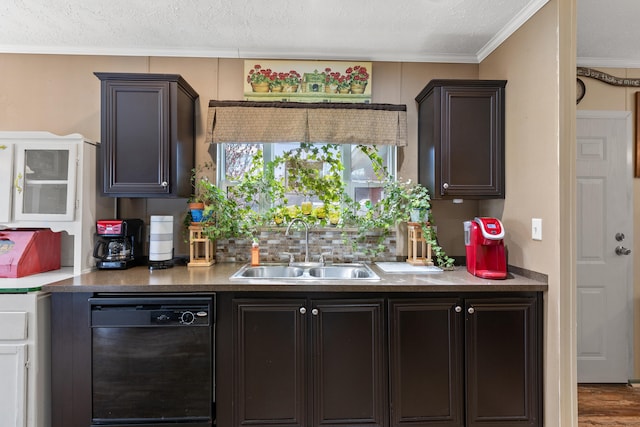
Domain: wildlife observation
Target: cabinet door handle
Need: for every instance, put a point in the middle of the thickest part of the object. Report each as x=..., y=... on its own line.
x=16, y=183
x=471, y=310
x=164, y=184
x=314, y=311
x=445, y=186
x=458, y=309
x=303, y=310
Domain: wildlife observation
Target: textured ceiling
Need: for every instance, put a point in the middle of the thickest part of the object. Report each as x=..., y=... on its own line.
x=608, y=33
x=378, y=30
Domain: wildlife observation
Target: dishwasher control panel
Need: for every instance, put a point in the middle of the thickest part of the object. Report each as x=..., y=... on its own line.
x=180, y=316
x=151, y=312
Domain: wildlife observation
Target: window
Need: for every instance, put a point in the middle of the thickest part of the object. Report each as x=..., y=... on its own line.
x=360, y=180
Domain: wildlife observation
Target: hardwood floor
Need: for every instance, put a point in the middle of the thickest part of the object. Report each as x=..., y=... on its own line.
x=611, y=405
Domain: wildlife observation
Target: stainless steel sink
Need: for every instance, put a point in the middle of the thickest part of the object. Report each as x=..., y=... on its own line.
x=269, y=272
x=359, y=271
x=307, y=272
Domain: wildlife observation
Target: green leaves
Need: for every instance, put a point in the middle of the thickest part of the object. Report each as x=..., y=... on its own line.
x=315, y=171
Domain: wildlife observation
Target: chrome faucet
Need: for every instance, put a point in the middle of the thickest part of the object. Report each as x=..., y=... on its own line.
x=306, y=236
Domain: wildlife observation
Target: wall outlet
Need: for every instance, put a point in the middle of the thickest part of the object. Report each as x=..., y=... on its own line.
x=536, y=228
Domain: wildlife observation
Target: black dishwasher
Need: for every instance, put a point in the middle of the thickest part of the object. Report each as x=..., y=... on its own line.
x=152, y=361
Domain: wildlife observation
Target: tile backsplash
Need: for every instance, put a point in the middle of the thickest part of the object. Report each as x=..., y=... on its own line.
x=326, y=241
x=272, y=240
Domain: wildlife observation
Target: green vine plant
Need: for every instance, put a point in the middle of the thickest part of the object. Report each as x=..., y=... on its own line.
x=393, y=208
x=263, y=194
x=261, y=198
x=220, y=212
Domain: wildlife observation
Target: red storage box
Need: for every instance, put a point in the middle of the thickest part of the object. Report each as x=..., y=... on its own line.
x=27, y=252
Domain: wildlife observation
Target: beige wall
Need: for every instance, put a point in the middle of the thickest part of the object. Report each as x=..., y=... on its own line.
x=535, y=129
x=603, y=96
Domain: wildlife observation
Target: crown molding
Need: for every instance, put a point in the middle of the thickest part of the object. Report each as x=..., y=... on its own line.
x=608, y=62
x=241, y=53
x=512, y=26
x=107, y=51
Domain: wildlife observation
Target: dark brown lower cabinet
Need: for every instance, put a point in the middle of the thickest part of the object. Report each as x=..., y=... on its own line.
x=426, y=359
x=306, y=362
x=465, y=362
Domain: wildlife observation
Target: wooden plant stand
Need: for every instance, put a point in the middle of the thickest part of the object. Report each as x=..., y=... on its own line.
x=415, y=257
x=201, y=252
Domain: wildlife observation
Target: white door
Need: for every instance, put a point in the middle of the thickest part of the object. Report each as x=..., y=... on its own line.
x=604, y=238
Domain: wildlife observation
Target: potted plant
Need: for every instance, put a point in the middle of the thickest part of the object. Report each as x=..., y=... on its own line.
x=343, y=84
x=393, y=209
x=419, y=203
x=219, y=217
x=196, y=210
x=331, y=80
x=290, y=81
x=358, y=78
x=259, y=78
x=195, y=202
x=277, y=82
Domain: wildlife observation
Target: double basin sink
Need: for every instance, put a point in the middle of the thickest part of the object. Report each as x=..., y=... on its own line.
x=307, y=271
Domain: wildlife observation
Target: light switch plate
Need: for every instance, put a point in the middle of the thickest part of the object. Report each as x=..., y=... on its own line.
x=536, y=228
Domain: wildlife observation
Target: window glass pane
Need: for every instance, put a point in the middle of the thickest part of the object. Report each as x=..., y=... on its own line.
x=280, y=149
x=374, y=194
x=237, y=159
x=44, y=198
x=361, y=168
x=47, y=164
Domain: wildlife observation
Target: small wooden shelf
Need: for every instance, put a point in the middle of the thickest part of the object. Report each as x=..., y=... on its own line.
x=415, y=237
x=201, y=252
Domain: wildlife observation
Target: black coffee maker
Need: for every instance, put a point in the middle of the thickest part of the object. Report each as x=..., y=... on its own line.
x=119, y=243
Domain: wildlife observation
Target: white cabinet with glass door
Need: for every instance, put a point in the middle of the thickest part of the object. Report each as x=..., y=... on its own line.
x=45, y=181
x=49, y=181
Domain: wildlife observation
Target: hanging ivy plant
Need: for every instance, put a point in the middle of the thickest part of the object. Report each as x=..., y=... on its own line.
x=393, y=208
x=261, y=199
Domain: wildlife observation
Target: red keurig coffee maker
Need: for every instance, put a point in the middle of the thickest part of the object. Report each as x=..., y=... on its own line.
x=484, y=242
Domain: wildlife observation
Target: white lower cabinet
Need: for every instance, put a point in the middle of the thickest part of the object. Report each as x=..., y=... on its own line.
x=13, y=388
x=25, y=360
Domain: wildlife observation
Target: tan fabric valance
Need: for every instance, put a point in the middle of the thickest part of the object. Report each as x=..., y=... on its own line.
x=335, y=123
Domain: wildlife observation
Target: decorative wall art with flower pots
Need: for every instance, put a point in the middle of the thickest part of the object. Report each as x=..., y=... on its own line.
x=310, y=81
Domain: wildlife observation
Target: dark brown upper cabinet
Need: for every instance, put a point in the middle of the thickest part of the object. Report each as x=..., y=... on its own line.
x=461, y=138
x=148, y=135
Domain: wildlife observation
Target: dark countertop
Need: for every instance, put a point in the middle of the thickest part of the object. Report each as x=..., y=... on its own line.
x=216, y=279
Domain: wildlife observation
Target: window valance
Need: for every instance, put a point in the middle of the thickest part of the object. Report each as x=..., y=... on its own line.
x=335, y=123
